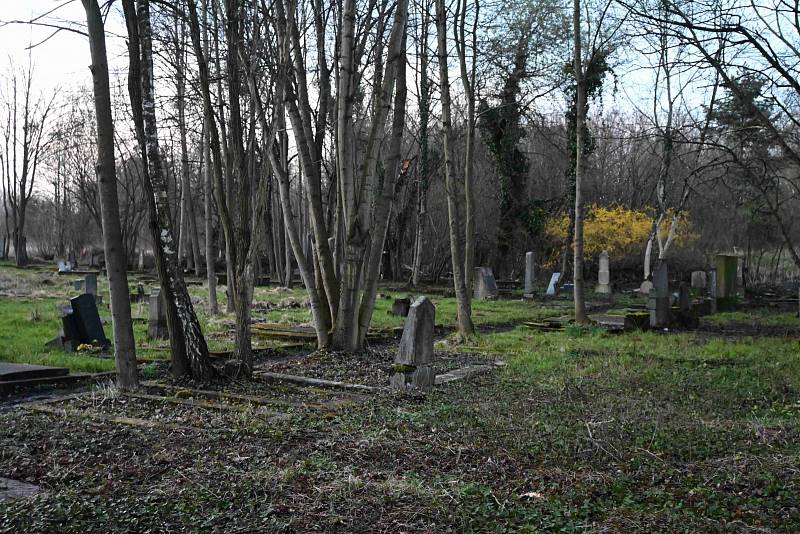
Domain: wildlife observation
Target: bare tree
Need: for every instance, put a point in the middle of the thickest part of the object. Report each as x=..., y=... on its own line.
x=24, y=142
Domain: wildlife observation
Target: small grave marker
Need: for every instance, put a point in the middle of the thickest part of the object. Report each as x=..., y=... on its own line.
x=400, y=307
x=698, y=280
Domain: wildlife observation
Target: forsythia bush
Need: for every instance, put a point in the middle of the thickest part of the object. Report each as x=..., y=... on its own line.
x=617, y=230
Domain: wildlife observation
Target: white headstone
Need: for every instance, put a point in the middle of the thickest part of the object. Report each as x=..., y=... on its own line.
x=551, y=287
x=530, y=273
x=603, y=275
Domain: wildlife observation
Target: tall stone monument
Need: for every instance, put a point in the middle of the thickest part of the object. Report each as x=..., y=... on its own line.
x=603, y=275
x=659, y=297
x=727, y=267
x=530, y=274
x=157, y=323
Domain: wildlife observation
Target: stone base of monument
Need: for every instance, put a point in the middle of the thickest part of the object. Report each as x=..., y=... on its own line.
x=409, y=377
x=603, y=289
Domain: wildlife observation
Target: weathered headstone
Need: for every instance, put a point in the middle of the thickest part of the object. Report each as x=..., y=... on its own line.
x=699, y=280
x=645, y=288
x=485, y=284
x=712, y=290
x=77, y=285
x=551, y=287
x=64, y=266
x=727, y=267
x=412, y=364
x=603, y=275
x=89, y=326
x=530, y=274
x=90, y=285
x=684, y=300
x=659, y=304
x=400, y=307
x=157, y=322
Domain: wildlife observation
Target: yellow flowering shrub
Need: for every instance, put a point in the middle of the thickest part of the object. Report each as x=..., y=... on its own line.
x=618, y=230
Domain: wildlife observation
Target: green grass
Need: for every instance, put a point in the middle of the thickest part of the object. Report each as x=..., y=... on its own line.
x=757, y=317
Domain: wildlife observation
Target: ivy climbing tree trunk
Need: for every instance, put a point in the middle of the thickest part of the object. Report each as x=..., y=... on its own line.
x=580, y=126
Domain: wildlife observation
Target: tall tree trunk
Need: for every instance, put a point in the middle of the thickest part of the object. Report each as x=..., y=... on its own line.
x=211, y=272
x=580, y=303
x=463, y=304
x=116, y=262
x=196, y=350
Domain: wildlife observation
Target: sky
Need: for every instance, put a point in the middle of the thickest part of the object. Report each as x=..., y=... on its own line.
x=62, y=61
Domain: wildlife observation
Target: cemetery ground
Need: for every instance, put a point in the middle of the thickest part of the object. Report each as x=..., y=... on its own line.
x=581, y=429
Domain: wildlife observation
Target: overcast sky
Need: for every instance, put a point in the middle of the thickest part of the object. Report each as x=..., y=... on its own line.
x=63, y=60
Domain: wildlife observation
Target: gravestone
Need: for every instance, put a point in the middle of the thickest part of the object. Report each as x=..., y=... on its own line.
x=659, y=304
x=603, y=275
x=412, y=363
x=89, y=326
x=400, y=307
x=64, y=266
x=77, y=285
x=645, y=288
x=530, y=274
x=157, y=322
x=712, y=290
x=699, y=280
x=90, y=285
x=727, y=266
x=485, y=284
x=551, y=287
x=684, y=301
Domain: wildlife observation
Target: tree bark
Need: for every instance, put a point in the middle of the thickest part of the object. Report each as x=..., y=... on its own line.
x=580, y=83
x=116, y=261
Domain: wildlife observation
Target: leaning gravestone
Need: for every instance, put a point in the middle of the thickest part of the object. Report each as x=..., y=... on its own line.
x=157, y=322
x=603, y=275
x=89, y=326
x=551, y=287
x=485, y=284
x=698, y=280
x=412, y=364
x=530, y=274
x=659, y=298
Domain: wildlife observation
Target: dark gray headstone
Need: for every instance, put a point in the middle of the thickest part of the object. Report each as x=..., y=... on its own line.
x=400, y=307
x=157, y=321
x=684, y=300
x=699, y=280
x=659, y=302
x=90, y=328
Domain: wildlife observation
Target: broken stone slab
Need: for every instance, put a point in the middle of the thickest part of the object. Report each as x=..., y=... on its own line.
x=468, y=371
x=15, y=489
x=22, y=371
